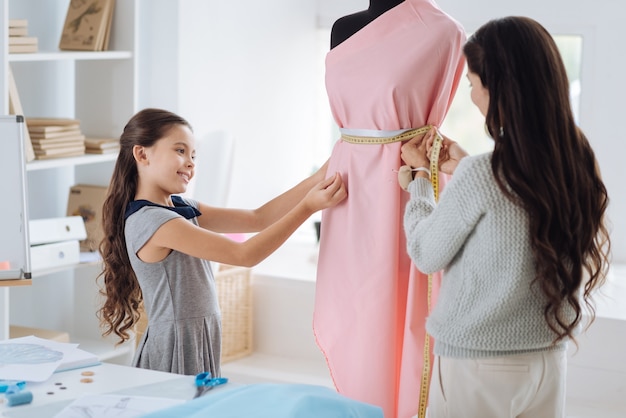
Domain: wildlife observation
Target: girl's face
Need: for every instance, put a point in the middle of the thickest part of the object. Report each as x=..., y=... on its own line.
x=479, y=94
x=171, y=161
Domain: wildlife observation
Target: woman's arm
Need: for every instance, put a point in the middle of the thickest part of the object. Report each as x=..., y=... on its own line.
x=225, y=220
x=436, y=232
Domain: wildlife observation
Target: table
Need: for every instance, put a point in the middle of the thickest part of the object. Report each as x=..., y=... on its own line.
x=62, y=388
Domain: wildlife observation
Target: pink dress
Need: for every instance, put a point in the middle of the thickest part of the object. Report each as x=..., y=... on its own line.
x=401, y=71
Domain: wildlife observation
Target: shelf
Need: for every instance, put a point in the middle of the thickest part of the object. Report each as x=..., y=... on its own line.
x=58, y=269
x=70, y=55
x=100, y=89
x=70, y=161
x=16, y=282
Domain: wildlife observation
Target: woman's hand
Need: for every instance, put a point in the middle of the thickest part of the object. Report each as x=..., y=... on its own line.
x=415, y=151
x=450, y=155
x=326, y=194
x=418, y=150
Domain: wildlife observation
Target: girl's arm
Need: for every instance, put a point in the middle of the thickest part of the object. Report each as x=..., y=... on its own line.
x=225, y=220
x=183, y=236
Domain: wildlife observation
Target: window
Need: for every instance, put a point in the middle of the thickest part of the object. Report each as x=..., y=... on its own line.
x=465, y=124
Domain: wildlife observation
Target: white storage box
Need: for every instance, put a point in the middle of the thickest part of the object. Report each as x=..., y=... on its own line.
x=56, y=254
x=43, y=231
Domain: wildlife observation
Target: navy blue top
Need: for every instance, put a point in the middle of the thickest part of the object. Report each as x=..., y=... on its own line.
x=179, y=207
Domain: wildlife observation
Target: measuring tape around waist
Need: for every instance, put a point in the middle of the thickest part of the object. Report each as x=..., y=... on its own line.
x=404, y=136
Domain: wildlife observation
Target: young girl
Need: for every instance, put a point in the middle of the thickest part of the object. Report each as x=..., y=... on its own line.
x=519, y=231
x=157, y=244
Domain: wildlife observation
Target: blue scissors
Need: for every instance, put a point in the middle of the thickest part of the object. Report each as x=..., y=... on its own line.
x=204, y=383
x=14, y=392
x=6, y=385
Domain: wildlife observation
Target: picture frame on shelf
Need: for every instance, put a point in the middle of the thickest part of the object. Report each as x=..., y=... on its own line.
x=87, y=25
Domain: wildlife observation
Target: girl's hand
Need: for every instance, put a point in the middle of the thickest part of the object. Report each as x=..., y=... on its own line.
x=326, y=193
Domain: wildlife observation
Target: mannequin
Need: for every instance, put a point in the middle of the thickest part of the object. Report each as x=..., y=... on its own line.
x=391, y=68
x=348, y=25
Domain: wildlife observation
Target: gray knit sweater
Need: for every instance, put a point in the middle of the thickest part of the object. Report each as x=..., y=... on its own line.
x=486, y=306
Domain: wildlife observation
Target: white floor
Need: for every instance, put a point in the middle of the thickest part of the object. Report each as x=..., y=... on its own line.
x=285, y=350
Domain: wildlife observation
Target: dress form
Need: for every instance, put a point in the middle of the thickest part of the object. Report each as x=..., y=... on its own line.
x=370, y=301
x=347, y=26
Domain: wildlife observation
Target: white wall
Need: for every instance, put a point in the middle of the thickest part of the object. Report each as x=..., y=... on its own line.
x=329, y=10
x=245, y=67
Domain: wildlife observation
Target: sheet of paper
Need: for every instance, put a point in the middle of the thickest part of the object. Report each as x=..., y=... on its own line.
x=35, y=359
x=101, y=406
x=29, y=360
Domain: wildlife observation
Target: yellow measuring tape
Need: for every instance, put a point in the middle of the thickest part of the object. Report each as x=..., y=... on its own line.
x=406, y=135
x=434, y=179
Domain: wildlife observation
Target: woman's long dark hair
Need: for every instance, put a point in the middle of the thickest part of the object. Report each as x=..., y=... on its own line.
x=120, y=310
x=542, y=160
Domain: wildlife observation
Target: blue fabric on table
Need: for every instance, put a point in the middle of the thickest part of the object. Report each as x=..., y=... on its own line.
x=272, y=400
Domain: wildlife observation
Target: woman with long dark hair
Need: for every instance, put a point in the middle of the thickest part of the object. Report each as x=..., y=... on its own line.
x=520, y=233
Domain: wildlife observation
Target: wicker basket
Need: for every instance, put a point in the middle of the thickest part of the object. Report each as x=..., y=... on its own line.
x=235, y=299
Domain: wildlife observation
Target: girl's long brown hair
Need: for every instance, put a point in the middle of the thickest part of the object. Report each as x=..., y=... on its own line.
x=120, y=310
x=542, y=160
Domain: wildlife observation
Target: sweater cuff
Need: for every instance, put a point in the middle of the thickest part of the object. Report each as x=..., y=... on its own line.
x=421, y=188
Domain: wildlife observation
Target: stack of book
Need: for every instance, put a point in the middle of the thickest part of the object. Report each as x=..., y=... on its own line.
x=101, y=145
x=55, y=137
x=19, y=41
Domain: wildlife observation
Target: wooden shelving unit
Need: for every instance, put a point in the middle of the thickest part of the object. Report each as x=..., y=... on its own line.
x=100, y=90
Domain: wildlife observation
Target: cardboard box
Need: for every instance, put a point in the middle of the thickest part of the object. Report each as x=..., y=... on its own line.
x=86, y=201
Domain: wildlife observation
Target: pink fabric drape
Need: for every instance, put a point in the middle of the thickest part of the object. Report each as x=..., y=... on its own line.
x=401, y=71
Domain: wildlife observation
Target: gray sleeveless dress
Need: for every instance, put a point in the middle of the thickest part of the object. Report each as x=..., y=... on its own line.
x=184, y=323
